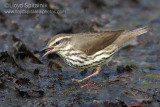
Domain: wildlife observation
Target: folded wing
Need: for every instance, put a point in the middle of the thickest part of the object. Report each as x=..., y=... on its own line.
x=92, y=42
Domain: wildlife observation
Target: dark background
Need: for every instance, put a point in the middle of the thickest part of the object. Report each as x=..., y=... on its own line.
x=131, y=78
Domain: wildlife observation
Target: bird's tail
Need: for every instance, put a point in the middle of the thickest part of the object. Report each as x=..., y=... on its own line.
x=127, y=35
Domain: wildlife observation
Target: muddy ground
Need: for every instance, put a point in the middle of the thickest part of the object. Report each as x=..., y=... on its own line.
x=131, y=79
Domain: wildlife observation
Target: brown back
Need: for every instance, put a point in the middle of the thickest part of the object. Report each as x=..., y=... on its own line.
x=92, y=42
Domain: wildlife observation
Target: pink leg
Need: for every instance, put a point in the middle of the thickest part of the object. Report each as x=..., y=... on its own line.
x=81, y=80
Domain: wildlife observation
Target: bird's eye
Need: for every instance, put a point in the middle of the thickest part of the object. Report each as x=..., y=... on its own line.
x=57, y=43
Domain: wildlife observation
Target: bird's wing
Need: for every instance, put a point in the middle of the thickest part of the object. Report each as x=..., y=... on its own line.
x=92, y=42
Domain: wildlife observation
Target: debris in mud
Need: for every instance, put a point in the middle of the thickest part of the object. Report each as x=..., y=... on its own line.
x=78, y=96
x=23, y=51
x=116, y=104
x=22, y=81
x=2, y=17
x=61, y=78
x=30, y=94
x=36, y=72
x=84, y=72
x=127, y=68
x=141, y=103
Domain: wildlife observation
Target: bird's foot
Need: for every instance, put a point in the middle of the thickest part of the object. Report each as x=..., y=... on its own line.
x=77, y=80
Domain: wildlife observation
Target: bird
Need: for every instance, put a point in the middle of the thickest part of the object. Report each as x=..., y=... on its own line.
x=90, y=50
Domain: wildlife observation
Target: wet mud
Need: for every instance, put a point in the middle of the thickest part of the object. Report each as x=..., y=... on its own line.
x=131, y=79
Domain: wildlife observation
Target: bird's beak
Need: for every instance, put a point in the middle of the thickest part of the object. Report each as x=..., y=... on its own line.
x=48, y=49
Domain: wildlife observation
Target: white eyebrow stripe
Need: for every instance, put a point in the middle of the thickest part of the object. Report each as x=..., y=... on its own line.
x=60, y=38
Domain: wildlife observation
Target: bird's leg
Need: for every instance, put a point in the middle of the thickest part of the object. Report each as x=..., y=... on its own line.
x=81, y=80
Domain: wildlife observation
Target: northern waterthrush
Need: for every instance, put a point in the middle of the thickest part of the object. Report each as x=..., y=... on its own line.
x=90, y=50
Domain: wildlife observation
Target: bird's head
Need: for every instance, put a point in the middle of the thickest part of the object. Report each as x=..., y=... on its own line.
x=57, y=43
